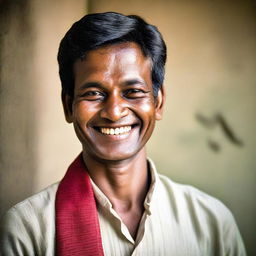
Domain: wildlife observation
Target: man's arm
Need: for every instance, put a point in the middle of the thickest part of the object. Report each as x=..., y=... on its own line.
x=15, y=235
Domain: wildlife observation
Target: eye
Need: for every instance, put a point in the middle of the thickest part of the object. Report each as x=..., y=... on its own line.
x=135, y=93
x=92, y=95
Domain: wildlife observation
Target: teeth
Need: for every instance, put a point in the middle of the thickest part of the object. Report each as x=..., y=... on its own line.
x=116, y=131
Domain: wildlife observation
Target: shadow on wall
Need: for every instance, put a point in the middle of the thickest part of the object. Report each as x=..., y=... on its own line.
x=17, y=108
x=219, y=120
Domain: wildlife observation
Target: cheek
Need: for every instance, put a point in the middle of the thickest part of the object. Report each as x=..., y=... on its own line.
x=146, y=111
x=147, y=108
x=84, y=112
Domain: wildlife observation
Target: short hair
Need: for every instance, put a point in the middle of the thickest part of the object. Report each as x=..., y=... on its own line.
x=100, y=29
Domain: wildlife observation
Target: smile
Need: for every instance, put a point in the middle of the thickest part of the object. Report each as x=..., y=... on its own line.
x=115, y=131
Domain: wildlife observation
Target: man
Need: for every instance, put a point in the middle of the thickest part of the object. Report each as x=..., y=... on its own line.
x=111, y=200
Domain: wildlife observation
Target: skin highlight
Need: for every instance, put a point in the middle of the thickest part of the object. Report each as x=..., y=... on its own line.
x=113, y=89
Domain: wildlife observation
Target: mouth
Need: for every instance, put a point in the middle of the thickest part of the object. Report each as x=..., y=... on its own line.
x=114, y=130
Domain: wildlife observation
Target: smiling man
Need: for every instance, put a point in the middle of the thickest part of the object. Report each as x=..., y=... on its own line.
x=112, y=201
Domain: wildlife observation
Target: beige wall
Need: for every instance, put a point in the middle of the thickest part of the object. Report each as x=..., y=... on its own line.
x=17, y=126
x=36, y=143
x=56, y=145
x=211, y=69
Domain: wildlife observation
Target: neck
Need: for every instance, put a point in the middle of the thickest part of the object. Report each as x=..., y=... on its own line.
x=124, y=182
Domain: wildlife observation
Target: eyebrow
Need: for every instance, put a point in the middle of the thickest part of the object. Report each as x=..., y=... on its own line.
x=90, y=85
x=134, y=81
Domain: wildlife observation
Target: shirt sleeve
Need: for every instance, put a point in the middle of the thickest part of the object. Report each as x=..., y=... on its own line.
x=15, y=239
x=28, y=228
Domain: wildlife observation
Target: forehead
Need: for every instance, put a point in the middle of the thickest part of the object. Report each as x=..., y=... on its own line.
x=114, y=59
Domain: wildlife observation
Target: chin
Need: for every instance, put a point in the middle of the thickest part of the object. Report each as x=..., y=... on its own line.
x=113, y=155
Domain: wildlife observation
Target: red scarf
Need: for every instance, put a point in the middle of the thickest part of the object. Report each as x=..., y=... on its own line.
x=77, y=224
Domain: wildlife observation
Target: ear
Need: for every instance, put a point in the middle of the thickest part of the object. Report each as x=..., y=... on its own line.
x=67, y=102
x=160, y=100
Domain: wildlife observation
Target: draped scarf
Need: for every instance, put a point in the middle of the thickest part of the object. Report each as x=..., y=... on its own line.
x=77, y=223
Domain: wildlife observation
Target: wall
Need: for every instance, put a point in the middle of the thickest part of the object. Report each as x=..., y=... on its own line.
x=17, y=129
x=57, y=144
x=207, y=137
x=36, y=143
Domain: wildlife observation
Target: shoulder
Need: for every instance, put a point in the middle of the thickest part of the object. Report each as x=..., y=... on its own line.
x=193, y=197
x=206, y=215
x=34, y=207
x=188, y=200
x=39, y=200
x=196, y=202
x=26, y=224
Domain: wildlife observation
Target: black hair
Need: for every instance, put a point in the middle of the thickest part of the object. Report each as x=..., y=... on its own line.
x=101, y=29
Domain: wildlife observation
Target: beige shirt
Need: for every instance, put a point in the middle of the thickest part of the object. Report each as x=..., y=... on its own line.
x=178, y=220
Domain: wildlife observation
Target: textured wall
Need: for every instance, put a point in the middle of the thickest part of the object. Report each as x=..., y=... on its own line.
x=207, y=137
x=17, y=126
x=57, y=145
x=36, y=143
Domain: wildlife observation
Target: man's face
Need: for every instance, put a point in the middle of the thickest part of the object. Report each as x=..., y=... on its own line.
x=113, y=109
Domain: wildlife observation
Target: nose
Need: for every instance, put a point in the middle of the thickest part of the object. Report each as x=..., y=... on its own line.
x=114, y=108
